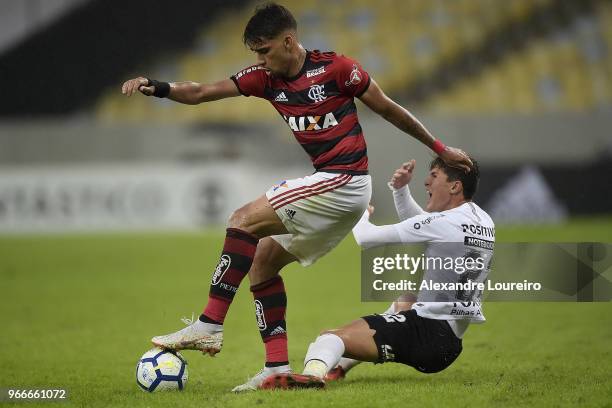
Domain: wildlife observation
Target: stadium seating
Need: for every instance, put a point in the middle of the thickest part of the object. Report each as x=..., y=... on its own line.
x=568, y=70
x=401, y=42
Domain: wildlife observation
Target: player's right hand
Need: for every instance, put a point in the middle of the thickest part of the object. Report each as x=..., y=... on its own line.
x=403, y=175
x=456, y=158
x=137, y=84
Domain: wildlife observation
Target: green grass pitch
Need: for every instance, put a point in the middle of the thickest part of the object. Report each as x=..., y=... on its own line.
x=78, y=312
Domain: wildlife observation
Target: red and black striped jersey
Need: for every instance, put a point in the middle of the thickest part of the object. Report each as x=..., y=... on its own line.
x=318, y=105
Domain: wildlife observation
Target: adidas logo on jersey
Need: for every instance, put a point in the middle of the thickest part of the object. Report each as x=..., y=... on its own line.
x=301, y=123
x=278, y=330
x=281, y=97
x=290, y=213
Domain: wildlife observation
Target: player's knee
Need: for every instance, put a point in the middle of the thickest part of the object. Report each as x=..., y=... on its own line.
x=240, y=219
x=343, y=334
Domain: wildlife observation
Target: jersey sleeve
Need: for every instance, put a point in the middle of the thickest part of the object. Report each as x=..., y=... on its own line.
x=351, y=78
x=405, y=205
x=426, y=227
x=251, y=81
x=368, y=235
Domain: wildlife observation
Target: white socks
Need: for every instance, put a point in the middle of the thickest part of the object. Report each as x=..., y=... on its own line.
x=348, y=363
x=323, y=355
x=315, y=368
x=326, y=353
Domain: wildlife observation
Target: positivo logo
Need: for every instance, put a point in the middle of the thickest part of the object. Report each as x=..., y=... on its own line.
x=259, y=315
x=222, y=267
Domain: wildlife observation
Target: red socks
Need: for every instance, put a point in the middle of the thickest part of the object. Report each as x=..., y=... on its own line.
x=234, y=264
x=270, y=309
x=270, y=297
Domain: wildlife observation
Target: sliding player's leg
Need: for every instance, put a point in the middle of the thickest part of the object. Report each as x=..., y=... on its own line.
x=428, y=345
x=246, y=226
x=354, y=341
x=345, y=364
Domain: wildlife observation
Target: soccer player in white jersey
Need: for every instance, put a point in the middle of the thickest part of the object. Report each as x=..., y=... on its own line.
x=426, y=332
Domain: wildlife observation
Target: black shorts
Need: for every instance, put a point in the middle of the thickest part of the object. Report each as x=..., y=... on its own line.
x=426, y=344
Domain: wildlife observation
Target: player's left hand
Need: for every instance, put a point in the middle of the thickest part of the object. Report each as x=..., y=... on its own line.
x=370, y=209
x=456, y=158
x=403, y=175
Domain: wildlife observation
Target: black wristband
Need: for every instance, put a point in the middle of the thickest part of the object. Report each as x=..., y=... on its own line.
x=162, y=89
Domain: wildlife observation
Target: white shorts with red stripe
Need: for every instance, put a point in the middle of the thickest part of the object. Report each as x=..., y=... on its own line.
x=318, y=211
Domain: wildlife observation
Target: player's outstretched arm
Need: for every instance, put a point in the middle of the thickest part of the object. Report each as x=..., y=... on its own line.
x=368, y=235
x=190, y=93
x=380, y=103
x=420, y=228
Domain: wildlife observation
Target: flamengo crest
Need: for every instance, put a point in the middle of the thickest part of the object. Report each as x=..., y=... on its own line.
x=316, y=93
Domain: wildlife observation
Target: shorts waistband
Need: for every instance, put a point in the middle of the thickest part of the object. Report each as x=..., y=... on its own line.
x=351, y=172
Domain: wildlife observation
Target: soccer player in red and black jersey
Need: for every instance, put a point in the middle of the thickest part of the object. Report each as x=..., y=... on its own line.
x=301, y=219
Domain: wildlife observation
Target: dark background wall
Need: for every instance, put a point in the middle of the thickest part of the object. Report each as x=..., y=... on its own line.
x=94, y=46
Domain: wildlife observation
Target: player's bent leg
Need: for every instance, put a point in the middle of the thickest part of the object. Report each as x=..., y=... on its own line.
x=257, y=218
x=247, y=225
x=270, y=258
x=339, y=372
x=354, y=341
x=358, y=337
x=358, y=340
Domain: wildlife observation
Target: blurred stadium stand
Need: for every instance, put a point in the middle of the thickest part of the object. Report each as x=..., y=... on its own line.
x=524, y=85
x=64, y=67
x=463, y=56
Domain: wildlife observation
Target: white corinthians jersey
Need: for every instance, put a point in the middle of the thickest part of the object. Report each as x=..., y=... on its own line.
x=458, y=256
